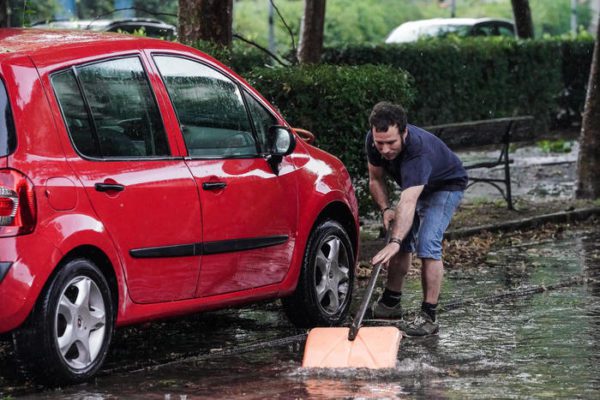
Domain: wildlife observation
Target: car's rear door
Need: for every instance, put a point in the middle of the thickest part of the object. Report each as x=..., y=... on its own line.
x=145, y=197
x=249, y=212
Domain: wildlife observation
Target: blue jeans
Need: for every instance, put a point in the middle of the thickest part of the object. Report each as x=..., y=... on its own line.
x=432, y=217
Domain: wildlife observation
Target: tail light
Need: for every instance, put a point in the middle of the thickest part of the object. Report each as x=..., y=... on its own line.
x=17, y=204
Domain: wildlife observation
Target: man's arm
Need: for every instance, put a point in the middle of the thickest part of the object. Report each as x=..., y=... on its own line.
x=379, y=193
x=405, y=214
x=377, y=186
x=405, y=211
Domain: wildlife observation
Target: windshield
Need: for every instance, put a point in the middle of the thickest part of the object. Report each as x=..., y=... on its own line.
x=410, y=31
x=443, y=30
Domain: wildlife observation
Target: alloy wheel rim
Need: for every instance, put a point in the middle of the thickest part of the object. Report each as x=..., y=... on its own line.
x=80, y=322
x=332, y=275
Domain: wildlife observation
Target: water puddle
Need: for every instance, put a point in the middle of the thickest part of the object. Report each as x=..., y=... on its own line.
x=521, y=346
x=536, y=174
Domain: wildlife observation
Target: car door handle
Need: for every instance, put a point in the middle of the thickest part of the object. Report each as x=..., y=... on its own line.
x=213, y=185
x=107, y=187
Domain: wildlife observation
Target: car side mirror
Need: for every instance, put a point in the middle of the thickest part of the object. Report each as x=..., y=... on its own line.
x=281, y=141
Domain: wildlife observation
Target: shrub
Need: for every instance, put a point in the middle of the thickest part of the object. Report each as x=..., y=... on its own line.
x=334, y=103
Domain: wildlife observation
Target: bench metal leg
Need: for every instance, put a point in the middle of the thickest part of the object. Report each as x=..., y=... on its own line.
x=506, y=192
x=495, y=183
x=507, y=181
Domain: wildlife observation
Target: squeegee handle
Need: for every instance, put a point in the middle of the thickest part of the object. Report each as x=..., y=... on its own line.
x=357, y=322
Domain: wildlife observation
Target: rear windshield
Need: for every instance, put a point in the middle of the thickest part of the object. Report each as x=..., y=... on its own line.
x=8, y=139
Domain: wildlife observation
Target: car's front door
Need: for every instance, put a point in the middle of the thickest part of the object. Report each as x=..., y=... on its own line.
x=146, y=199
x=249, y=212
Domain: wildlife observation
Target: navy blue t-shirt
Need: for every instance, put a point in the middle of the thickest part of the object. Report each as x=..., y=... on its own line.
x=424, y=160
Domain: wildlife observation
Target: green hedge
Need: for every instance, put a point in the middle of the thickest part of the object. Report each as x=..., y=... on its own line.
x=334, y=103
x=468, y=79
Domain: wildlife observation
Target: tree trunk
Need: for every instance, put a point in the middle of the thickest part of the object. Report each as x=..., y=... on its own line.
x=311, y=38
x=588, y=162
x=523, y=20
x=209, y=20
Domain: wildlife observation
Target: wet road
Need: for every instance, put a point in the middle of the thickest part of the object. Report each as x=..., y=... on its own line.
x=544, y=345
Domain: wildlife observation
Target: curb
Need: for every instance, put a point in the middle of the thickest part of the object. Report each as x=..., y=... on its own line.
x=526, y=223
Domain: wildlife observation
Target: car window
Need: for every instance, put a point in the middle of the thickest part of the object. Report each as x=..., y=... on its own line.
x=110, y=110
x=75, y=114
x=484, y=29
x=506, y=30
x=493, y=28
x=210, y=108
x=8, y=139
x=443, y=30
x=262, y=120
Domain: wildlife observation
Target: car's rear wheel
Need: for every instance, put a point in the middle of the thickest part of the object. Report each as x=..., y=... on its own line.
x=324, y=291
x=67, y=335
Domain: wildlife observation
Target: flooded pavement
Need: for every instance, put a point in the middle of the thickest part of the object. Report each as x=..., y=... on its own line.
x=544, y=345
x=536, y=174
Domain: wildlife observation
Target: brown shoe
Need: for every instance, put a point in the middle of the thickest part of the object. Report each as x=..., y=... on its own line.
x=381, y=311
x=422, y=325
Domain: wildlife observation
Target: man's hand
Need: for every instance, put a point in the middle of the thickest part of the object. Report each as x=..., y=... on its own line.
x=385, y=255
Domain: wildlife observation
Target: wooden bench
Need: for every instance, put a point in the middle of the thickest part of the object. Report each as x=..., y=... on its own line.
x=498, y=132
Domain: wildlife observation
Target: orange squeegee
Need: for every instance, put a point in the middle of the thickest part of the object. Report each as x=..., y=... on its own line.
x=354, y=347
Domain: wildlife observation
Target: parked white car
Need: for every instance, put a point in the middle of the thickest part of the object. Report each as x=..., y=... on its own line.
x=440, y=27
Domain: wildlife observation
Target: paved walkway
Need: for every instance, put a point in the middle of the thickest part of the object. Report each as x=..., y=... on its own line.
x=536, y=175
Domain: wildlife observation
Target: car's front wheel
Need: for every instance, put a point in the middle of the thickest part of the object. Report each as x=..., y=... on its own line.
x=67, y=335
x=324, y=291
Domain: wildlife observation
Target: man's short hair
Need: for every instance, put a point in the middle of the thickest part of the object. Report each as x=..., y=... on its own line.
x=385, y=115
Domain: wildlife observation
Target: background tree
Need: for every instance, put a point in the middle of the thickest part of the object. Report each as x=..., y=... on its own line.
x=588, y=162
x=523, y=20
x=311, y=36
x=209, y=20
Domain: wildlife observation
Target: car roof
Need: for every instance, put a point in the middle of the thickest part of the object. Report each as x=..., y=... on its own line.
x=52, y=48
x=30, y=42
x=451, y=21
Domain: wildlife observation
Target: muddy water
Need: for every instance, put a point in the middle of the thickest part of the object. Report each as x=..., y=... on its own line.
x=543, y=345
x=536, y=175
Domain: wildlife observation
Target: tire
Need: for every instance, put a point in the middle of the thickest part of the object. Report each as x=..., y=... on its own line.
x=67, y=335
x=322, y=296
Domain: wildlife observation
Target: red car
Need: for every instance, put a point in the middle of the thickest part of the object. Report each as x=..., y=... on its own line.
x=141, y=179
